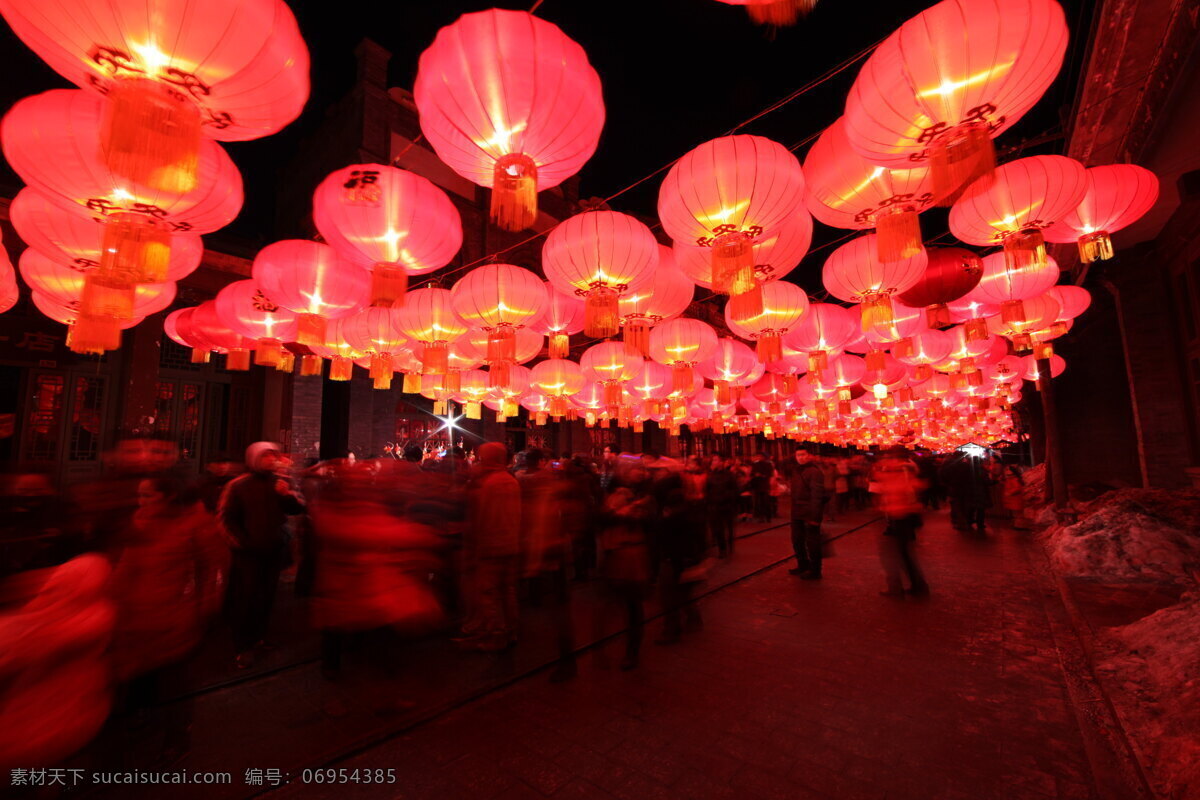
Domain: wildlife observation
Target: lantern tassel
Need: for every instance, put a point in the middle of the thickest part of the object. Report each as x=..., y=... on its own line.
x=200, y=356
x=1095, y=247
x=435, y=358
x=723, y=392
x=237, y=360
x=876, y=311
x=975, y=330
x=135, y=247
x=732, y=263
x=151, y=135
x=770, y=346
x=412, y=383
x=381, y=365
x=514, y=192
x=937, y=315
x=341, y=368
x=745, y=306
x=779, y=13
x=681, y=378
x=94, y=335
x=107, y=296
x=311, y=366
x=383, y=382
x=1025, y=250
x=501, y=344
x=500, y=374
x=898, y=233
x=963, y=157
x=612, y=394
x=560, y=345
x=601, y=318
x=452, y=382
x=1013, y=312
x=389, y=284
x=637, y=337
x=267, y=352
x=311, y=329
x=473, y=410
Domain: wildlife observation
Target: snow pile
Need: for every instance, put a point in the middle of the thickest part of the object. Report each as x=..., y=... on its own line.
x=1033, y=486
x=1138, y=534
x=1155, y=664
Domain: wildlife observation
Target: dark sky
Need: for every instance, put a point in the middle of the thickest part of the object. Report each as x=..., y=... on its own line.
x=675, y=73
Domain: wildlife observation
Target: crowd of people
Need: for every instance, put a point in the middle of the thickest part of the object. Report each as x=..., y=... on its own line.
x=110, y=586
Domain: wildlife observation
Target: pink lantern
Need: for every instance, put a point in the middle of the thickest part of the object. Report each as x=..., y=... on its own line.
x=1058, y=365
x=312, y=280
x=173, y=74
x=600, y=255
x=1116, y=196
x=1072, y=301
x=563, y=316
x=775, y=255
x=610, y=364
x=784, y=306
x=825, y=329
x=1028, y=195
x=651, y=384
x=725, y=194
x=855, y=273
x=76, y=240
x=509, y=102
x=557, y=379
x=1009, y=287
x=375, y=332
x=499, y=299
x=1040, y=312
x=729, y=364
x=951, y=79
x=774, y=12
x=207, y=331
x=390, y=221
x=847, y=191
x=428, y=317
x=248, y=310
x=66, y=313
x=681, y=343
x=528, y=345
x=666, y=296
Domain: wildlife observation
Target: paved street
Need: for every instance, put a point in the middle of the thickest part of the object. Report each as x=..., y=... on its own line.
x=794, y=689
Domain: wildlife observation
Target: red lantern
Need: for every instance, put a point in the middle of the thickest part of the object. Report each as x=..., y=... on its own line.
x=76, y=240
x=951, y=79
x=775, y=255
x=825, y=329
x=248, y=310
x=65, y=313
x=375, y=332
x=950, y=274
x=557, y=379
x=610, y=364
x=562, y=317
x=855, y=273
x=784, y=306
x=1039, y=312
x=206, y=326
x=390, y=221
x=1072, y=301
x=847, y=191
x=681, y=343
x=1028, y=195
x=666, y=296
x=1008, y=288
x=173, y=73
x=428, y=317
x=499, y=299
x=774, y=12
x=724, y=195
x=310, y=279
x=509, y=102
x=1058, y=365
x=600, y=255
x=1117, y=195
x=729, y=364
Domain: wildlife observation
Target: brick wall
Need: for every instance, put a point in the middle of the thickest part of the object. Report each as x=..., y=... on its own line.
x=306, y=417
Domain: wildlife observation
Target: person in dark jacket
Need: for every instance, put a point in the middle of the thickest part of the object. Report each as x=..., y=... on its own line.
x=722, y=495
x=253, y=512
x=807, y=489
x=761, y=472
x=969, y=486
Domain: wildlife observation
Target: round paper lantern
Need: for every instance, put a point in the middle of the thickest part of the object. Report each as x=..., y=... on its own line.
x=775, y=255
x=681, y=343
x=1009, y=287
x=651, y=384
x=949, y=80
x=610, y=364
x=509, y=102
x=557, y=379
x=926, y=348
x=1072, y=301
x=528, y=346
x=855, y=273
x=1117, y=195
x=206, y=330
x=312, y=280
x=563, y=316
x=950, y=273
x=1039, y=312
x=428, y=317
x=847, y=191
x=248, y=310
x=730, y=362
x=390, y=221
x=375, y=332
x=68, y=313
x=726, y=193
x=76, y=240
x=172, y=74
x=1058, y=365
x=600, y=255
x=1027, y=195
x=499, y=299
x=825, y=329
x=667, y=295
x=784, y=306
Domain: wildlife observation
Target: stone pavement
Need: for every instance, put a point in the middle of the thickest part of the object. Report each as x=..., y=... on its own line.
x=794, y=689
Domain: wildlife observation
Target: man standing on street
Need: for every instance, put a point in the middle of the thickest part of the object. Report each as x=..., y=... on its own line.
x=807, y=488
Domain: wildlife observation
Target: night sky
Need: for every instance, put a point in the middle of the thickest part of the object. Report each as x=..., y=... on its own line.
x=675, y=73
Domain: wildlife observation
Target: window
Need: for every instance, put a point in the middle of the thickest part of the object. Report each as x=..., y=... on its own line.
x=43, y=432
x=87, y=419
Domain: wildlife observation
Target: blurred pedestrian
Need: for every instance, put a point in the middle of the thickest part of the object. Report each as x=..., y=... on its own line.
x=624, y=547
x=253, y=512
x=896, y=487
x=807, y=490
x=721, y=497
